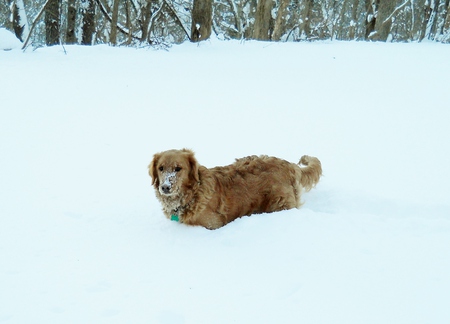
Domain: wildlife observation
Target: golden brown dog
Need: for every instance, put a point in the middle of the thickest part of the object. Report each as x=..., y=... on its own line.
x=195, y=195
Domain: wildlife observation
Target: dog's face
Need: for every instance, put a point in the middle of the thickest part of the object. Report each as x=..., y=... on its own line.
x=173, y=171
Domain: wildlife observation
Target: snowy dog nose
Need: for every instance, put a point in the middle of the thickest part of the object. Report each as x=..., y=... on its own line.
x=165, y=188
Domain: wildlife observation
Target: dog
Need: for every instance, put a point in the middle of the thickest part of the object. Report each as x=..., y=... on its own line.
x=195, y=195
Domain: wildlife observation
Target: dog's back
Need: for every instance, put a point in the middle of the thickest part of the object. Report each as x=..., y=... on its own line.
x=261, y=184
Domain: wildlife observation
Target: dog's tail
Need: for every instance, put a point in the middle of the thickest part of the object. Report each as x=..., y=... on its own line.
x=311, y=172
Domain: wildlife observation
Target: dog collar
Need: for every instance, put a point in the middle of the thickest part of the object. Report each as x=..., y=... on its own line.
x=174, y=218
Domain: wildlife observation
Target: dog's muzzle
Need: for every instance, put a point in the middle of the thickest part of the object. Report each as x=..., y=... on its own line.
x=166, y=187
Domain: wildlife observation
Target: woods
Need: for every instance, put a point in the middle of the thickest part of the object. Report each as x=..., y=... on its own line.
x=164, y=22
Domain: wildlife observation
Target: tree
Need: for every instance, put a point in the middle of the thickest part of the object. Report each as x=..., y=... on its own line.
x=114, y=19
x=234, y=18
x=71, y=20
x=383, y=21
x=52, y=19
x=444, y=21
x=446, y=24
x=263, y=20
x=201, y=20
x=145, y=19
x=354, y=20
x=305, y=26
x=88, y=28
x=280, y=21
x=371, y=18
x=429, y=23
x=19, y=19
x=164, y=22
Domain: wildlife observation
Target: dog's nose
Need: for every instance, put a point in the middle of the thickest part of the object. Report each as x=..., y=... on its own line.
x=165, y=188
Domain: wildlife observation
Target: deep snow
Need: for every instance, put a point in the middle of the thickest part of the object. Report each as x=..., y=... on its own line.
x=83, y=238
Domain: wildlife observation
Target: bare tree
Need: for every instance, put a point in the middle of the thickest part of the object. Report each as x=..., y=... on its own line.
x=444, y=18
x=384, y=19
x=263, y=19
x=71, y=21
x=428, y=28
x=371, y=17
x=145, y=19
x=354, y=20
x=114, y=20
x=52, y=20
x=234, y=18
x=201, y=20
x=88, y=28
x=280, y=21
x=305, y=26
x=161, y=22
x=445, y=32
x=19, y=19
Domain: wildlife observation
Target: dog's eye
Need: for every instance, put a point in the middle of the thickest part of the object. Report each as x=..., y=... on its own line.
x=177, y=169
x=161, y=168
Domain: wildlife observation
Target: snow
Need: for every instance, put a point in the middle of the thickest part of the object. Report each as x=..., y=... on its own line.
x=8, y=40
x=168, y=178
x=83, y=238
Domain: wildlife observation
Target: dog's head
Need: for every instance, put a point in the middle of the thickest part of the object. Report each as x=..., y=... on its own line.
x=173, y=170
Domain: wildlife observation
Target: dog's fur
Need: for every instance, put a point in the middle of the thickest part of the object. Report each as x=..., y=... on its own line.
x=214, y=197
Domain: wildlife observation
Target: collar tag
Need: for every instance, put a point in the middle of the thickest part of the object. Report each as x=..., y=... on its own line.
x=174, y=218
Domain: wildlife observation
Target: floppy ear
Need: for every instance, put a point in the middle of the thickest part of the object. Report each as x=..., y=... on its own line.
x=152, y=170
x=193, y=164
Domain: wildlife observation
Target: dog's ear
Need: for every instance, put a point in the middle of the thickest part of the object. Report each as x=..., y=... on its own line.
x=152, y=170
x=193, y=164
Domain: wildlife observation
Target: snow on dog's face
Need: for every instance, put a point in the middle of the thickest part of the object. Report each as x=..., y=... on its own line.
x=172, y=171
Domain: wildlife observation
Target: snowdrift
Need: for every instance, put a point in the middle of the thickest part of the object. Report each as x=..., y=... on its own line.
x=83, y=239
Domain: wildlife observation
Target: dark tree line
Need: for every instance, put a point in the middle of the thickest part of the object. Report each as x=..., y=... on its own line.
x=137, y=22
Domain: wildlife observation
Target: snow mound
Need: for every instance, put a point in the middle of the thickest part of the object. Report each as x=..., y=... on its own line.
x=8, y=40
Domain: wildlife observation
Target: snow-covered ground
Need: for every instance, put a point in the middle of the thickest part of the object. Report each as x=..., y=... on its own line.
x=83, y=238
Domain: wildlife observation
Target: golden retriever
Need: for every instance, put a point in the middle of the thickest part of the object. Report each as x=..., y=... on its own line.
x=195, y=195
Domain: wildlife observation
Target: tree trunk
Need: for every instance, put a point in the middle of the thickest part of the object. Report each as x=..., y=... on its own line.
x=446, y=25
x=443, y=18
x=429, y=23
x=19, y=19
x=128, y=22
x=383, y=21
x=146, y=13
x=52, y=19
x=262, y=20
x=114, y=20
x=88, y=29
x=305, y=27
x=280, y=21
x=354, y=21
x=201, y=20
x=71, y=19
x=371, y=18
x=427, y=15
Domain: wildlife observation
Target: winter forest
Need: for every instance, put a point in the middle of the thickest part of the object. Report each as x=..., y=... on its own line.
x=165, y=22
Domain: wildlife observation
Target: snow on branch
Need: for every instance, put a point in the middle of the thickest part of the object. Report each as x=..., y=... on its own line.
x=395, y=11
x=177, y=19
x=35, y=23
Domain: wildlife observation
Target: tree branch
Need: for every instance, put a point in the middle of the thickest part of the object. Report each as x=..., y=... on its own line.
x=395, y=11
x=177, y=19
x=35, y=23
x=153, y=18
x=106, y=14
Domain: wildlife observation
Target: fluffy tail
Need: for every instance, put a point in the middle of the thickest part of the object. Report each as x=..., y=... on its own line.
x=311, y=171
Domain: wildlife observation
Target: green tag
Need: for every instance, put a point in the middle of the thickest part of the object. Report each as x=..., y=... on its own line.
x=174, y=218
